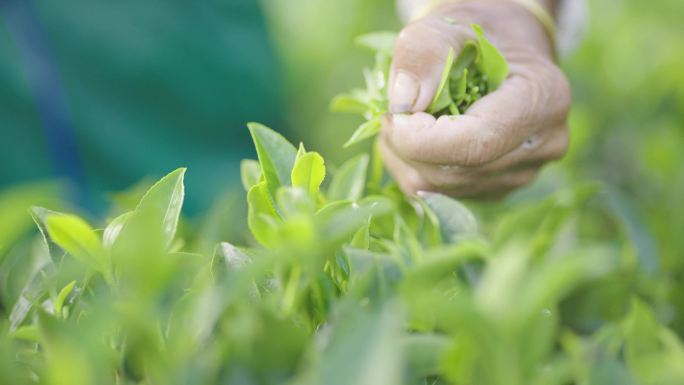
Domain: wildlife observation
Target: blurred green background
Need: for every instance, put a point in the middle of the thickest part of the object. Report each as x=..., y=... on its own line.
x=142, y=87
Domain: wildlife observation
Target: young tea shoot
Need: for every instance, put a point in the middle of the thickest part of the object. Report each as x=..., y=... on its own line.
x=477, y=70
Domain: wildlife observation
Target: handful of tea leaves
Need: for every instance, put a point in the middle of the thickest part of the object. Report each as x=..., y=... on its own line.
x=479, y=69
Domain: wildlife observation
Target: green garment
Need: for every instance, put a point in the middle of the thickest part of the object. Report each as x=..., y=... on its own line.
x=147, y=85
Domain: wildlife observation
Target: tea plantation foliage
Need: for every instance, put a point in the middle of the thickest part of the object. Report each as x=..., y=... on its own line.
x=347, y=282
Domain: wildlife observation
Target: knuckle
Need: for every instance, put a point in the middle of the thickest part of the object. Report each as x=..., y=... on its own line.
x=446, y=176
x=560, y=92
x=414, y=182
x=560, y=144
x=478, y=151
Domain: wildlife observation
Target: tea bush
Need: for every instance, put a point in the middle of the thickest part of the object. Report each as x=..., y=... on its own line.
x=347, y=282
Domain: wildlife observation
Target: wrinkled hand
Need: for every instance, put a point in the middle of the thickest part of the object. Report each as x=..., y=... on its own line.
x=502, y=140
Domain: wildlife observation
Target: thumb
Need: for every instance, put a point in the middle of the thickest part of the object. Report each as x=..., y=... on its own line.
x=418, y=62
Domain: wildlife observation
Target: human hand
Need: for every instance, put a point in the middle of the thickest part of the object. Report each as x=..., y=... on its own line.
x=502, y=140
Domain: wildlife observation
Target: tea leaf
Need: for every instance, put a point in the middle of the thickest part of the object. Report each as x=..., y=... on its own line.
x=349, y=103
x=262, y=215
x=26, y=333
x=442, y=97
x=157, y=212
x=250, y=173
x=425, y=353
x=40, y=215
x=365, y=131
x=378, y=41
x=113, y=229
x=455, y=219
x=366, y=343
x=62, y=296
x=491, y=62
x=349, y=180
x=75, y=236
x=276, y=156
x=308, y=172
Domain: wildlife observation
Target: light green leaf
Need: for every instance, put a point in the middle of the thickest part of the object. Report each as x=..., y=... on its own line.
x=443, y=96
x=424, y=353
x=365, y=131
x=261, y=214
x=491, y=62
x=294, y=201
x=455, y=220
x=378, y=41
x=308, y=172
x=26, y=333
x=350, y=103
x=75, y=236
x=365, y=342
x=276, y=156
x=113, y=229
x=342, y=222
x=461, y=87
x=62, y=296
x=250, y=173
x=361, y=239
x=157, y=213
x=301, y=151
x=40, y=215
x=465, y=59
x=349, y=180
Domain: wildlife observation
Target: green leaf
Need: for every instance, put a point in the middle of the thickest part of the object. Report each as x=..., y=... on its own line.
x=301, y=151
x=456, y=221
x=363, y=350
x=308, y=172
x=378, y=41
x=75, y=236
x=261, y=214
x=443, y=96
x=15, y=200
x=350, y=103
x=424, y=353
x=40, y=215
x=157, y=213
x=361, y=239
x=113, y=229
x=491, y=62
x=365, y=131
x=276, y=156
x=250, y=173
x=466, y=58
x=26, y=333
x=343, y=221
x=461, y=87
x=294, y=201
x=62, y=296
x=349, y=180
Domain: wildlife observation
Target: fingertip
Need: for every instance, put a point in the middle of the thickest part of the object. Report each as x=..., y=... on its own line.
x=404, y=92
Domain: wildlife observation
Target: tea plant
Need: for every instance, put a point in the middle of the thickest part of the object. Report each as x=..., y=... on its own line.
x=347, y=282
x=479, y=69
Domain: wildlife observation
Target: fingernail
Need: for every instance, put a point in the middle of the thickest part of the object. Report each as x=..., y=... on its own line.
x=404, y=93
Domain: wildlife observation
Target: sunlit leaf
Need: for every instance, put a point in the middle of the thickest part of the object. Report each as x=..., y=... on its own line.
x=491, y=62
x=250, y=173
x=349, y=180
x=365, y=131
x=77, y=238
x=276, y=156
x=308, y=172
